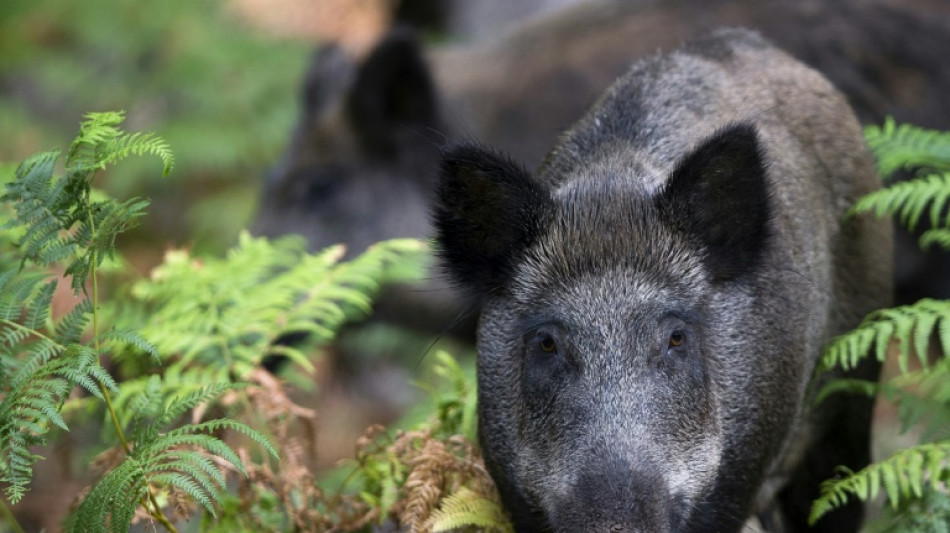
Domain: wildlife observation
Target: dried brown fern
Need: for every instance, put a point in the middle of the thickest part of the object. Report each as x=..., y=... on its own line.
x=425, y=471
x=402, y=480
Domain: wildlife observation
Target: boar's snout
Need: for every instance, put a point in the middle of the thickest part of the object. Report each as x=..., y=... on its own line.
x=615, y=496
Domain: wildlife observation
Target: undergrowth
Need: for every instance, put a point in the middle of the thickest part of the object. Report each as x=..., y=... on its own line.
x=913, y=480
x=192, y=424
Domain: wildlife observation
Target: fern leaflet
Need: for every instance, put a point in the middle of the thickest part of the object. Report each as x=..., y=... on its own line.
x=908, y=147
x=902, y=476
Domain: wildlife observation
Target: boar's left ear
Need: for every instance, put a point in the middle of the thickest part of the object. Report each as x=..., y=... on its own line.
x=393, y=94
x=488, y=211
x=719, y=195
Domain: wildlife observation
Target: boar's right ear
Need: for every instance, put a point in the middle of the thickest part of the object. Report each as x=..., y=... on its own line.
x=719, y=196
x=393, y=90
x=488, y=211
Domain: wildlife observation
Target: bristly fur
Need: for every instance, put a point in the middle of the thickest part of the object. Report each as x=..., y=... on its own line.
x=488, y=212
x=719, y=194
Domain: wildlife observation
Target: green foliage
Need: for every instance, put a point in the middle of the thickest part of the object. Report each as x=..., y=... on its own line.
x=223, y=93
x=60, y=220
x=907, y=147
x=908, y=324
x=455, y=407
x=214, y=320
x=468, y=509
x=909, y=199
x=100, y=143
x=57, y=222
x=42, y=359
x=179, y=458
x=914, y=480
x=180, y=343
x=903, y=475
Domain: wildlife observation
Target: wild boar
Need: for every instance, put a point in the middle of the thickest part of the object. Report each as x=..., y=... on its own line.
x=655, y=296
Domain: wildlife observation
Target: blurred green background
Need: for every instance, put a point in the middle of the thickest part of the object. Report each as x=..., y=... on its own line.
x=221, y=92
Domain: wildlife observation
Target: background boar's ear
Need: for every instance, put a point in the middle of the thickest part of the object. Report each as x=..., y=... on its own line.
x=325, y=79
x=487, y=212
x=719, y=195
x=393, y=94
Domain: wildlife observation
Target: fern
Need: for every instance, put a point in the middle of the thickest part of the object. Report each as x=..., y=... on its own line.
x=909, y=199
x=208, y=321
x=466, y=508
x=241, y=305
x=100, y=143
x=177, y=458
x=908, y=147
x=909, y=324
x=431, y=478
x=58, y=216
x=56, y=222
x=939, y=237
x=921, y=472
x=59, y=227
x=903, y=476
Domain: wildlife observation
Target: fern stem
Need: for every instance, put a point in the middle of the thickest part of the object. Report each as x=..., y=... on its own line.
x=93, y=273
x=8, y=517
x=115, y=418
x=30, y=331
x=155, y=510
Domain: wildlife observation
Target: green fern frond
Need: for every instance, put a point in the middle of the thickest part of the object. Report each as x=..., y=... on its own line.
x=240, y=305
x=168, y=458
x=26, y=414
x=38, y=309
x=181, y=404
x=100, y=143
x=939, y=236
x=193, y=459
x=468, y=509
x=903, y=476
x=110, y=504
x=156, y=448
x=191, y=485
x=909, y=199
x=908, y=147
x=127, y=337
x=191, y=472
x=140, y=144
x=17, y=293
x=915, y=322
x=224, y=423
x=70, y=328
x=923, y=397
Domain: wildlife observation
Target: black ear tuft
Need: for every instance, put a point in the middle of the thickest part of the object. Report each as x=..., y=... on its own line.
x=487, y=212
x=719, y=194
x=393, y=90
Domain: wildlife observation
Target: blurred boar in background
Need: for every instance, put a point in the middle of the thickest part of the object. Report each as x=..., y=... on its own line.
x=360, y=164
x=655, y=298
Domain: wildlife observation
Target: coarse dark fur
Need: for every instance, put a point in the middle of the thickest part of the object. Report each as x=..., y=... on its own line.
x=656, y=295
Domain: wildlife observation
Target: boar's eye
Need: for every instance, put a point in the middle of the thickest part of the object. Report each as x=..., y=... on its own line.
x=321, y=188
x=677, y=339
x=547, y=344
